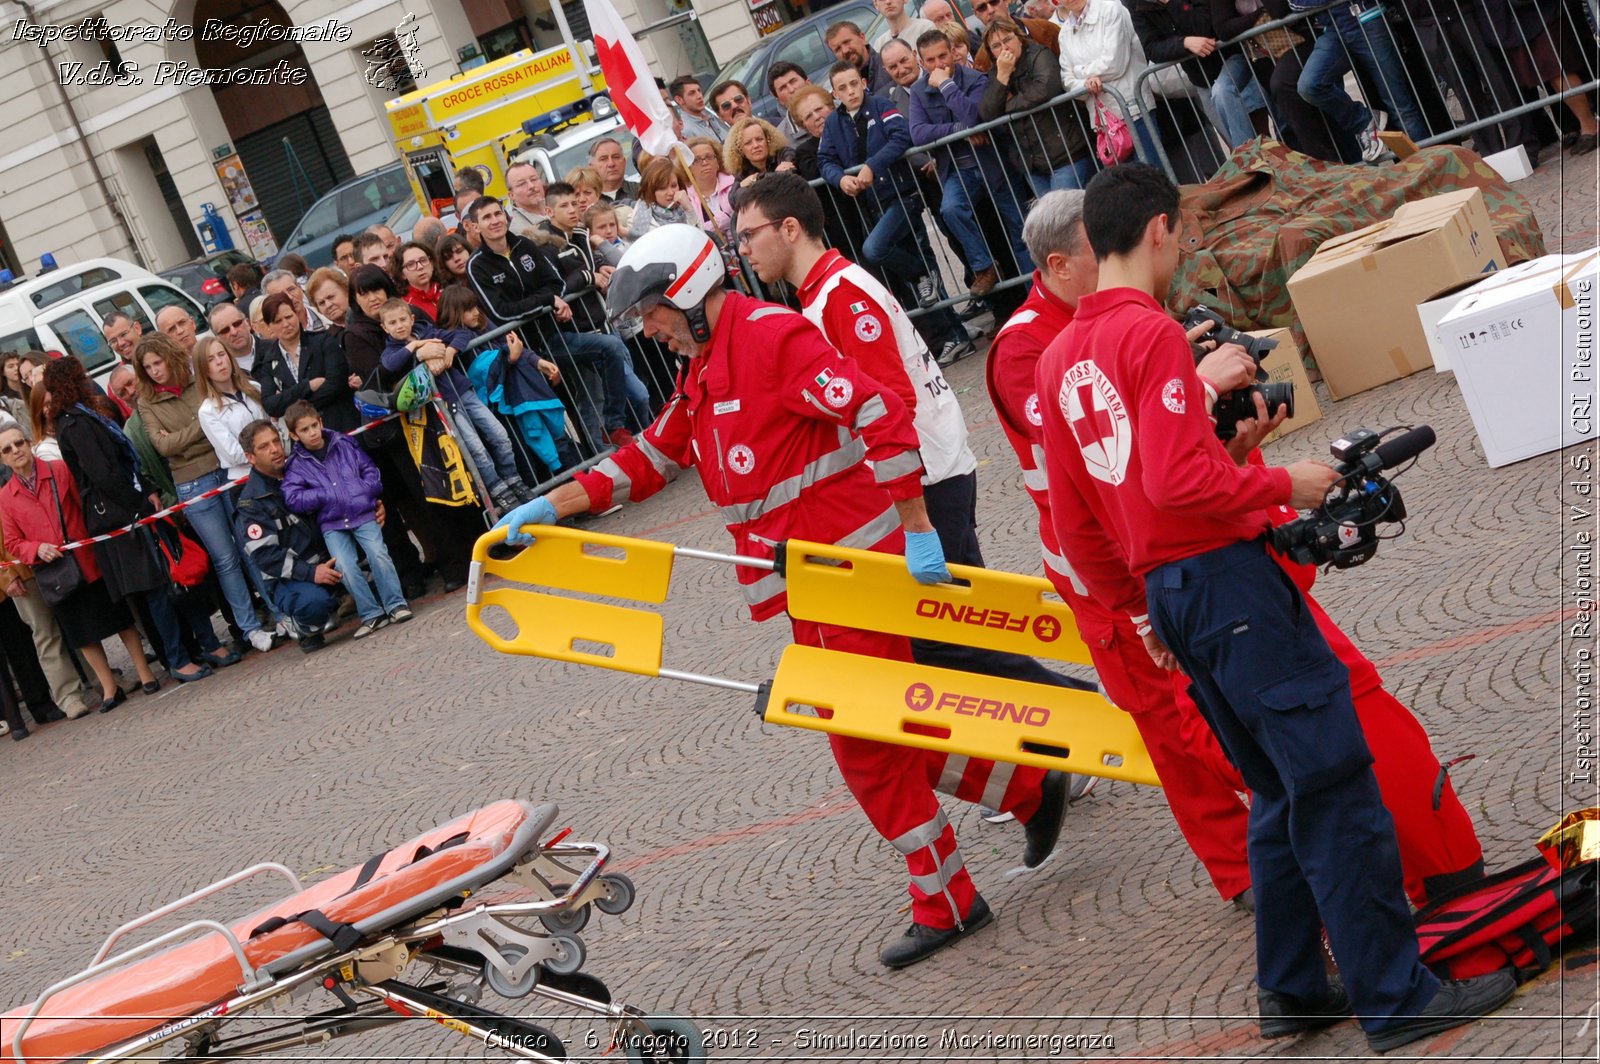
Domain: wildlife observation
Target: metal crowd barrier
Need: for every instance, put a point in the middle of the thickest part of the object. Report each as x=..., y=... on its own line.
x=932, y=241
x=1437, y=70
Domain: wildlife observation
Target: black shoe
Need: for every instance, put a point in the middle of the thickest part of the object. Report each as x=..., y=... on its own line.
x=976, y=308
x=454, y=583
x=1458, y=1001
x=19, y=734
x=415, y=589
x=220, y=658
x=107, y=705
x=48, y=713
x=1282, y=1015
x=1044, y=826
x=1245, y=900
x=150, y=688
x=920, y=941
x=312, y=643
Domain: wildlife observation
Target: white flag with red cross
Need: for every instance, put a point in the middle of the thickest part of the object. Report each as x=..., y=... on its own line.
x=633, y=88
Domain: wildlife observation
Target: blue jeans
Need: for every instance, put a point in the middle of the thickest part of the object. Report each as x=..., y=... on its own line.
x=1147, y=134
x=484, y=438
x=1236, y=96
x=886, y=246
x=164, y=609
x=212, y=520
x=1073, y=175
x=1366, y=42
x=610, y=355
x=308, y=605
x=959, y=189
x=342, y=545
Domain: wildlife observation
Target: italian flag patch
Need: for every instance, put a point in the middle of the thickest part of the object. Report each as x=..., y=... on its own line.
x=857, y=308
x=824, y=377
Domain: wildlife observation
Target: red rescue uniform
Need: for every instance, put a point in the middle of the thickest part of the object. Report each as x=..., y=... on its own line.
x=1435, y=838
x=1203, y=792
x=863, y=321
x=791, y=440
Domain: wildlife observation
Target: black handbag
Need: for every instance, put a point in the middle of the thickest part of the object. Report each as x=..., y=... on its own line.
x=58, y=579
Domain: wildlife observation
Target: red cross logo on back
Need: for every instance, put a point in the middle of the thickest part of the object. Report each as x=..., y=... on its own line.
x=1098, y=418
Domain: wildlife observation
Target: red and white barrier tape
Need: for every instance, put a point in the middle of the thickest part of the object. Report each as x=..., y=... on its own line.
x=184, y=504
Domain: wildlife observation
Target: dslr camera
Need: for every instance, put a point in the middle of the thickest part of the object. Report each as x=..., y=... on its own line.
x=1239, y=404
x=1344, y=532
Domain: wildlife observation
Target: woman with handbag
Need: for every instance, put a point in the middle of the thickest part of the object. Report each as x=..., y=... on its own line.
x=40, y=510
x=169, y=406
x=114, y=495
x=1100, y=50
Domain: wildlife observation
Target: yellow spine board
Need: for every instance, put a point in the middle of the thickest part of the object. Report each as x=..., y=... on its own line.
x=953, y=712
x=999, y=611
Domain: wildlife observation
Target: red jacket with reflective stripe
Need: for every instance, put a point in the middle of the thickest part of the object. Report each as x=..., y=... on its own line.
x=791, y=440
x=1013, y=358
x=1127, y=430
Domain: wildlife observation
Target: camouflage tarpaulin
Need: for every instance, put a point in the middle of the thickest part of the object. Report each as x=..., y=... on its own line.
x=1248, y=229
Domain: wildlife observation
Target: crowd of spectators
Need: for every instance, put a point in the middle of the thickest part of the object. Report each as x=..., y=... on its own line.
x=889, y=128
x=247, y=417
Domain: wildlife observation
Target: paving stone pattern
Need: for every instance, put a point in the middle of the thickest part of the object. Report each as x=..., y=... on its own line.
x=764, y=896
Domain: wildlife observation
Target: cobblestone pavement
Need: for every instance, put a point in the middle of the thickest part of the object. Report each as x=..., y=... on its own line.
x=763, y=894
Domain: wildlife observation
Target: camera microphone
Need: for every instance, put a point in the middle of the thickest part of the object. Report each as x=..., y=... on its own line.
x=1343, y=531
x=1405, y=447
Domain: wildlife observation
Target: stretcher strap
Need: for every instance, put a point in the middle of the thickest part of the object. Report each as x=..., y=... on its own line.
x=345, y=936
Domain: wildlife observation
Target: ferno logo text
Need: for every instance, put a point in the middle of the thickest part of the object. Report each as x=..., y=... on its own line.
x=921, y=698
x=1045, y=627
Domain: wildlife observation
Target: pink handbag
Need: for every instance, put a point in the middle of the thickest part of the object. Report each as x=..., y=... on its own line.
x=1113, y=141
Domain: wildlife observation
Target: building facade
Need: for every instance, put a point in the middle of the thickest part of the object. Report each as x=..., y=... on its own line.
x=120, y=134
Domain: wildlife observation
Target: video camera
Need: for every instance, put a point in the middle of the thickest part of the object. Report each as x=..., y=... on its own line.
x=1239, y=404
x=1344, y=532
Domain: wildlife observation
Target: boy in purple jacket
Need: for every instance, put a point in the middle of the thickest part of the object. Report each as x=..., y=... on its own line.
x=330, y=478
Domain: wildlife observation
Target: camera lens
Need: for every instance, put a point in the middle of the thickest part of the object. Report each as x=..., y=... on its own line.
x=1276, y=395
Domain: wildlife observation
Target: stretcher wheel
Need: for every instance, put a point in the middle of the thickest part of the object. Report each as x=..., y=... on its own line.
x=566, y=921
x=570, y=954
x=508, y=988
x=619, y=894
x=672, y=1040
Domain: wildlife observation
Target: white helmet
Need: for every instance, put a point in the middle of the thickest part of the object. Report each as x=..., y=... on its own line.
x=678, y=265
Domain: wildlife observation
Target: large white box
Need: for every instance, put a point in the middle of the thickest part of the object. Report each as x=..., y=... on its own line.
x=1433, y=311
x=1522, y=344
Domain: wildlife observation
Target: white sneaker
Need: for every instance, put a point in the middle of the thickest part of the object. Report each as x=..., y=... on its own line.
x=927, y=290
x=261, y=639
x=992, y=816
x=954, y=351
x=1372, y=148
x=287, y=629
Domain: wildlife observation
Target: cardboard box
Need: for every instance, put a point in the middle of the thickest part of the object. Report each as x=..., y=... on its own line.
x=1523, y=347
x=1398, y=143
x=1285, y=364
x=1357, y=296
x=1512, y=164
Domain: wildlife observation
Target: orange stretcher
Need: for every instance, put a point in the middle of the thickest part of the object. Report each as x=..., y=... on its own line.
x=480, y=902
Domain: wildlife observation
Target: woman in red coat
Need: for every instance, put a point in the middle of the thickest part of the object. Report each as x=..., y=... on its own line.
x=415, y=268
x=35, y=529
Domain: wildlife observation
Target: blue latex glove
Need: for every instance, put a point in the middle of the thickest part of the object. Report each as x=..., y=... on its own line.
x=538, y=511
x=925, y=558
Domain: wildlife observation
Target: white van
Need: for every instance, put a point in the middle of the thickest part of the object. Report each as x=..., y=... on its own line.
x=62, y=310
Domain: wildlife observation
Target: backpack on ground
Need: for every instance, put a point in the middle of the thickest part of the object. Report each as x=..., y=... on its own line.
x=1519, y=918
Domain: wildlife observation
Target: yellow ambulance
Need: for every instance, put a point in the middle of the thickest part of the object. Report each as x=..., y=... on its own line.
x=478, y=117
